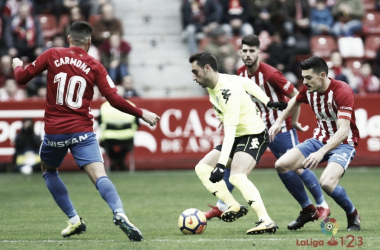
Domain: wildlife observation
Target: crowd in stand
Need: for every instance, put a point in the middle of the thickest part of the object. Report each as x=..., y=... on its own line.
x=290, y=31
x=29, y=27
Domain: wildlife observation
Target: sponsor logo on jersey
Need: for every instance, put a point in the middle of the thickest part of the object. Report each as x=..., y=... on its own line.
x=287, y=86
x=226, y=94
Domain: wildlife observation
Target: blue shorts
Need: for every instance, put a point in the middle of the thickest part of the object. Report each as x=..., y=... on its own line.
x=283, y=142
x=342, y=155
x=83, y=146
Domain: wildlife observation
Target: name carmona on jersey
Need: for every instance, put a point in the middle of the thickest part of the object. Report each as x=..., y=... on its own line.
x=73, y=61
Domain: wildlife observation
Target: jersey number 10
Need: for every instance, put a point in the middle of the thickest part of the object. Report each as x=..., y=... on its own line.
x=73, y=81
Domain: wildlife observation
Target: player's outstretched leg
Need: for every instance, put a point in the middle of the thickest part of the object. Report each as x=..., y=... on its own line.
x=108, y=192
x=252, y=196
x=61, y=196
x=219, y=189
x=295, y=187
x=220, y=207
x=312, y=184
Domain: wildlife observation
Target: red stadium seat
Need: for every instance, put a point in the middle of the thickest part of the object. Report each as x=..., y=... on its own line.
x=322, y=46
x=48, y=24
x=371, y=46
x=93, y=18
x=351, y=47
x=354, y=65
x=63, y=21
x=369, y=4
x=371, y=21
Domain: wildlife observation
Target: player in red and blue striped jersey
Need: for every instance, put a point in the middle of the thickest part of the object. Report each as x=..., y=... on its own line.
x=335, y=139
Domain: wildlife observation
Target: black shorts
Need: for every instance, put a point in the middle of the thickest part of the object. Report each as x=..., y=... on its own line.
x=255, y=145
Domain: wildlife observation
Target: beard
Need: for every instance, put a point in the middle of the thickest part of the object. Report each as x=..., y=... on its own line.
x=251, y=63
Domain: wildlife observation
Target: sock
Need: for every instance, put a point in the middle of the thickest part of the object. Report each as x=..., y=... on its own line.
x=230, y=187
x=218, y=189
x=323, y=204
x=311, y=182
x=59, y=192
x=341, y=198
x=221, y=205
x=74, y=220
x=295, y=186
x=250, y=194
x=108, y=192
x=353, y=213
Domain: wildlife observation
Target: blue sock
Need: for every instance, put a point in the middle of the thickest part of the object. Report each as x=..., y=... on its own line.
x=226, y=178
x=59, y=191
x=295, y=186
x=311, y=182
x=108, y=192
x=341, y=198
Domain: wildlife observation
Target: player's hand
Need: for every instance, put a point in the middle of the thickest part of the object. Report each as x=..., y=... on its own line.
x=277, y=105
x=312, y=161
x=274, y=130
x=150, y=117
x=299, y=127
x=17, y=62
x=218, y=173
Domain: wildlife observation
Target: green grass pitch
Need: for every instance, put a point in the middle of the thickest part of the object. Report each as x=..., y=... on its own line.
x=153, y=200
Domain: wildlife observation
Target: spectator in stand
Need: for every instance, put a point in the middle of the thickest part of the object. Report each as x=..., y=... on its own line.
x=329, y=3
x=235, y=17
x=48, y=6
x=366, y=81
x=377, y=63
x=114, y=57
x=321, y=18
x=263, y=13
x=129, y=87
x=348, y=15
x=198, y=19
x=297, y=16
x=6, y=70
x=11, y=8
x=23, y=35
x=221, y=47
x=75, y=14
x=11, y=92
x=282, y=57
x=339, y=72
x=108, y=24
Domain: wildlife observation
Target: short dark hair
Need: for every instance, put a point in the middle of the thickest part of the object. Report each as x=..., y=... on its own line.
x=80, y=31
x=251, y=40
x=205, y=58
x=316, y=63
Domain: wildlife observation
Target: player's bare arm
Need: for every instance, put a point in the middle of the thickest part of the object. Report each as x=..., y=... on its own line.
x=276, y=127
x=296, y=114
x=341, y=134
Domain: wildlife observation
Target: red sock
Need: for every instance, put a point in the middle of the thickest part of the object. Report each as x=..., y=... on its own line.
x=353, y=213
x=309, y=209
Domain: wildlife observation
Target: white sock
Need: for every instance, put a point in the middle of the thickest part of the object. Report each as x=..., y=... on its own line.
x=222, y=206
x=324, y=205
x=74, y=220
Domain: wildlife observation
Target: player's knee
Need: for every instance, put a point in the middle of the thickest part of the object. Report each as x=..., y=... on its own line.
x=327, y=184
x=280, y=166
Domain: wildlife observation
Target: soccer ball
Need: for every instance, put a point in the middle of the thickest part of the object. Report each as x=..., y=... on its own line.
x=192, y=221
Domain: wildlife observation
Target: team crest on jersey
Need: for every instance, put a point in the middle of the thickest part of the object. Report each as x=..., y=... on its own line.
x=226, y=94
x=329, y=104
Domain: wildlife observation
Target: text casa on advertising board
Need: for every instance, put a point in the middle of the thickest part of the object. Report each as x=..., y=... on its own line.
x=187, y=131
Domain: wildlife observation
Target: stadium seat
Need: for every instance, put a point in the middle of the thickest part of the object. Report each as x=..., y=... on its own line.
x=48, y=24
x=371, y=46
x=63, y=21
x=354, y=65
x=351, y=47
x=322, y=46
x=369, y=5
x=371, y=22
x=93, y=18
